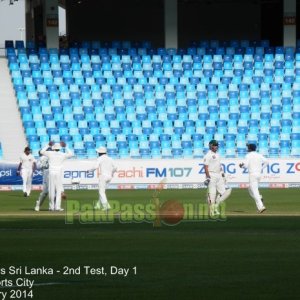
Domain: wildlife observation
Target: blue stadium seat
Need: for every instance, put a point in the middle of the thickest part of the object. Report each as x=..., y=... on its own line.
x=213, y=89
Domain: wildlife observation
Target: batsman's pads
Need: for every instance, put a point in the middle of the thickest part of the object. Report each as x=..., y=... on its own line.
x=207, y=181
x=225, y=195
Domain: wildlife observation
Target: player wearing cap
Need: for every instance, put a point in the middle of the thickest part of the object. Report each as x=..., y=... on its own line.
x=56, y=159
x=26, y=168
x=255, y=163
x=217, y=191
x=105, y=169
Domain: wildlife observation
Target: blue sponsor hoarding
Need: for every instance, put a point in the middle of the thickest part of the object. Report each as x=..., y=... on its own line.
x=8, y=175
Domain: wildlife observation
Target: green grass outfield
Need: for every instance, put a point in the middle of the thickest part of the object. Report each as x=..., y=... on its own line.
x=245, y=256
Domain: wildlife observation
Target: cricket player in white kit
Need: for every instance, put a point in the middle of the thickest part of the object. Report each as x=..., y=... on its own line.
x=43, y=164
x=105, y=168
x=217, y=191
x=56, y=159
x=255, y=163
x=26, y=168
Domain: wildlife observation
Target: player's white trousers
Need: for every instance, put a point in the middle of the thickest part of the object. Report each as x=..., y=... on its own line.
x=27, y=180
x=103, y=181
x=45, y=189
x=216, y=185
x=254, y=179
x=55, y=189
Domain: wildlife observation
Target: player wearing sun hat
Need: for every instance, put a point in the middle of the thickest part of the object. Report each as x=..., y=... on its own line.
x=105, y=169
x=255, y=163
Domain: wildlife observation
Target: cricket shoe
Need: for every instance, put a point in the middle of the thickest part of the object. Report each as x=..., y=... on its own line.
x=37, y=208
x=262, y=210
x=211, y=211
x=106, y=208
x=97, y=206
x=59, y=209
x=216, y=212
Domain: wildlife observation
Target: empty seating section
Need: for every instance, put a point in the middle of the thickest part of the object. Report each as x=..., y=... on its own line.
x=143, y=102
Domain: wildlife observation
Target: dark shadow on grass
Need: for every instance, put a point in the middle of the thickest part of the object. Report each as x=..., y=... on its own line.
x=19, y=195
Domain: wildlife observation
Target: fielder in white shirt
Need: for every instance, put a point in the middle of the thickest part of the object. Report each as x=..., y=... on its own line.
x=215, y=179
x=255, y=163
x=26, y=168
x=105, y=170
x=43, y=164
x=56, y=159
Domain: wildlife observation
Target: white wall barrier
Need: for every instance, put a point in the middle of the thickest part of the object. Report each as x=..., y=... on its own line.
x=172, y=173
